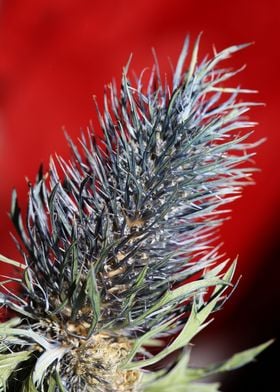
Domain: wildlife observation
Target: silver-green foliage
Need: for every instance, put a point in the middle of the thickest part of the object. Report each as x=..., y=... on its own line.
x=122, y=240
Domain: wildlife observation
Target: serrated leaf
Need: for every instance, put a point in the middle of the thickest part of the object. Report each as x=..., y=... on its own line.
x=176, y=378
x=194, y=323
x=181, y=293
x=162, y=380
x=244, y=357
x=144, y=341
x=237, y=360
x=185, y=378
x=191, y=328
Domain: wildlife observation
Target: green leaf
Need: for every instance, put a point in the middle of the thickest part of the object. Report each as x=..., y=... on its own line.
x=94, y=296
x=8, y=363
x=244, y=357
x=13, y=322
x=180, y=294
x=29, y=386
x=186, y=378
x=196, y=387
x=52, y=384
x=194, y=324
x=59, y=382
x=236, y=361
x=191, y=328
x=144, y=341
x=138, y=283
x=176, y=377
x=201, y=387
x=162, y=380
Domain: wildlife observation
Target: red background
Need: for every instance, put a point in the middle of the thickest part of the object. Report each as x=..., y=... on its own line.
x=55, y=54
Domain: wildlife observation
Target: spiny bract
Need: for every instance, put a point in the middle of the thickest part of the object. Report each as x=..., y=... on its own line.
x=117, y=248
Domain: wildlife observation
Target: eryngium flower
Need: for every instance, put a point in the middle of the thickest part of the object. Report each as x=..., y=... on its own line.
x=117, y=248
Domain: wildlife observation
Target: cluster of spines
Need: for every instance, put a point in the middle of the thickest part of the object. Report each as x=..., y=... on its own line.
x=134, y=212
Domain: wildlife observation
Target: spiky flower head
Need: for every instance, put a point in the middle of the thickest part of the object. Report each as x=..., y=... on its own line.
x=117, y=242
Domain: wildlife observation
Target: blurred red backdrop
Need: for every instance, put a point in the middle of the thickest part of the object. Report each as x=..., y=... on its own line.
x=55, y=54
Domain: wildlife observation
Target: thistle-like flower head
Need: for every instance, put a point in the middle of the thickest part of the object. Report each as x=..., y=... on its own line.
x=117, y=242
